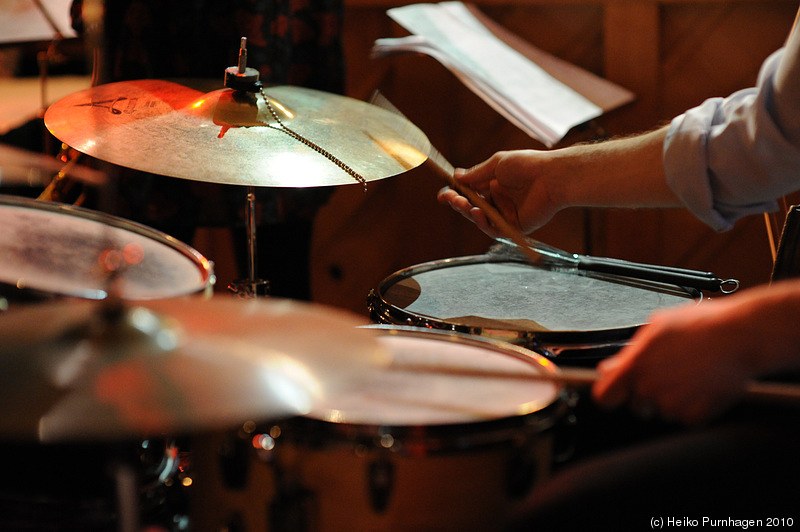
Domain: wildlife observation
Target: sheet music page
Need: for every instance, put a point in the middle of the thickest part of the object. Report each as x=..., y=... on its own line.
x=23, y=20
x=513, y=85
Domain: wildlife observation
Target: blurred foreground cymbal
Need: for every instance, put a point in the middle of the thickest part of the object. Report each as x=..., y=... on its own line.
x=23, y=168
x=230, y=137
x=84, y=371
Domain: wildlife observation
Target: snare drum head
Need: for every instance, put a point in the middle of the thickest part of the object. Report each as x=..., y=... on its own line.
x=437, y=378
x=495, y=293
x=56, y=248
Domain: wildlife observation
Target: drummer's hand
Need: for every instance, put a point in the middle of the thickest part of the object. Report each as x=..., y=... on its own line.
x=691, y=363
x=512, y=181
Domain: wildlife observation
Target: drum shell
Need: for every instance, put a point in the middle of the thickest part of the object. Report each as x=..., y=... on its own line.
x=329, y=476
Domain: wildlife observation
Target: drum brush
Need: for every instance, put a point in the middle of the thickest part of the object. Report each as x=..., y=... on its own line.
x=563, y=260
x=541, y=254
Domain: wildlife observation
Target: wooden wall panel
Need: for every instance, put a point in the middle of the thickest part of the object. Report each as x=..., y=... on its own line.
x=704, y=50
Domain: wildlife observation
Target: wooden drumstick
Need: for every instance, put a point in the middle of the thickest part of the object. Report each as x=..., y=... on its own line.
x=444, y=169
x=754, y=391
x=757, y=391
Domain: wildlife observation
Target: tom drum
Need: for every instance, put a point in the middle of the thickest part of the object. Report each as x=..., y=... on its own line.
x=450, y=436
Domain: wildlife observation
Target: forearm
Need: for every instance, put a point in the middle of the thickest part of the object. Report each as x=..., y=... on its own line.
x=529, y=186
x=626, y=172
x=692, y=362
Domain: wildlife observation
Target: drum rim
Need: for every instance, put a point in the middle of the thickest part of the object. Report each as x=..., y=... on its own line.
x=202, y=263
x=448, y=436
x=383, y=311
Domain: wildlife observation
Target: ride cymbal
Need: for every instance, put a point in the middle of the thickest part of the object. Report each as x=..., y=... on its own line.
x=301, y=138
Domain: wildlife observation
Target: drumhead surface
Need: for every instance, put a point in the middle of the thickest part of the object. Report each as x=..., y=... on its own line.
x=437, y=378
x=519, y=296
x=56, y=248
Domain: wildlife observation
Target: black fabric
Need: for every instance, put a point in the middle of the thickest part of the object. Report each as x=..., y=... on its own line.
x=743, y=467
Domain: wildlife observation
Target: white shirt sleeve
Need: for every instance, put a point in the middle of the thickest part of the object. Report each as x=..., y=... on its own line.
x=730, y=157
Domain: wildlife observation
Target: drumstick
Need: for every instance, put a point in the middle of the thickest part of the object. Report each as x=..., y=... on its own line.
x=757, y=391
x=442, y=167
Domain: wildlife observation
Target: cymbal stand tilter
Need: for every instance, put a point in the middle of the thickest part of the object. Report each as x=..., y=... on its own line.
x=245, y=82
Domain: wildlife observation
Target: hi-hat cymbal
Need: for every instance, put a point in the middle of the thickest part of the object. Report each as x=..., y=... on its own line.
x=23, y=168
x=86, y=371
x=232, y=137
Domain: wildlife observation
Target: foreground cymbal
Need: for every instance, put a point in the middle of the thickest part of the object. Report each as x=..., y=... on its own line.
x=23, y=168
x=83, y=371
x=232, y=137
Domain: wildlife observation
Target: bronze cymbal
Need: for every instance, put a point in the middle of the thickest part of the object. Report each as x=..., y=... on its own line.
x=232, y=137
x=83, y=371
x=23, y=168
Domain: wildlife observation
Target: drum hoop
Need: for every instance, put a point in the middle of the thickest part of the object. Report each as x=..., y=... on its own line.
x=451, y=436
x=202, y=263
x=383, y=311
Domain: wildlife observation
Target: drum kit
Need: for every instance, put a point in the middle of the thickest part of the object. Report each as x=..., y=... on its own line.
x=342, y=424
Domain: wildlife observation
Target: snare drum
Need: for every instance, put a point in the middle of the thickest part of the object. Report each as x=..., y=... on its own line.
x=450, y=436
x=53, y=248
x=566, y=315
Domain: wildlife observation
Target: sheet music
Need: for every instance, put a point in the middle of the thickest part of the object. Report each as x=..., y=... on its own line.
x=517, y=88
x=23, y=20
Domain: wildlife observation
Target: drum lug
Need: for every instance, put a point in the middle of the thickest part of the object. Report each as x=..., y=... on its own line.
x=521, y=471
x=566, y=433
x=294, y=509
x=373, y=306
x=565, y=441
x=234, y=523
x=380, y=480
x=234, y=462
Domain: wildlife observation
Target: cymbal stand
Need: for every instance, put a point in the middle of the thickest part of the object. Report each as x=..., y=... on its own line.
x=251, y=287
x=44, y=60
x=126, y=487
x=242, y=78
